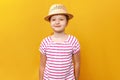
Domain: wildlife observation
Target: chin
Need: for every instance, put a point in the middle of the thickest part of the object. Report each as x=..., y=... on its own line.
x=59, y=30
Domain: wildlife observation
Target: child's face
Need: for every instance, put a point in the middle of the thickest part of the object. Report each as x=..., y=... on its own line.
x=58, y=23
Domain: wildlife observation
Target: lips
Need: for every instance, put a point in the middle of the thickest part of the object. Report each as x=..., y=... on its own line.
x=57, y=26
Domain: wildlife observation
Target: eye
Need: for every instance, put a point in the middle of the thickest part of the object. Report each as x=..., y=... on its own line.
x=53, y=19
x=61, y=19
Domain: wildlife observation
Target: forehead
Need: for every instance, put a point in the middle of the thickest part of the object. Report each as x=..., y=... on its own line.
x=58, y=15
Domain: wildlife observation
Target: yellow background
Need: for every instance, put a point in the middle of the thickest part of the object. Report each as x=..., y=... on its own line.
x=96, y=24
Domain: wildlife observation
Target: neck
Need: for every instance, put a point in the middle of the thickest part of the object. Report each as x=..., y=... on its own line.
x=57, y=35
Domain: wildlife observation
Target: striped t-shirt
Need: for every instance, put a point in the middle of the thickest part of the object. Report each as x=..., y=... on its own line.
x=59, y=64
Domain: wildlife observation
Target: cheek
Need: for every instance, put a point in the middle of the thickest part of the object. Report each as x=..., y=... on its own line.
x=51, y=24
x=65, y=23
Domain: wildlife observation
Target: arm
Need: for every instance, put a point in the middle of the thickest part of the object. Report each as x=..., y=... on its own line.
x=76, y=59
x=42, y=65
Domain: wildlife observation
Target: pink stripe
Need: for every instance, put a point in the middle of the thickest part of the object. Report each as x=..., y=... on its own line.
x=56, y=69
x=57, y=60
x=69, y=38
x=73, y=41
x=58, y=55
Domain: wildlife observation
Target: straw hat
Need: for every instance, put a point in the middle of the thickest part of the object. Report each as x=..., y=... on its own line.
x=58, y=9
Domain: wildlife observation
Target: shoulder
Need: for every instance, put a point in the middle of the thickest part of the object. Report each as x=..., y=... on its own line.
x=73, y=40
x=45, y=40
x=72, y=37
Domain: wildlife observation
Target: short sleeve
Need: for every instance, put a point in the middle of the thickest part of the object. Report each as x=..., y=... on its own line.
x=76, y=46
x=42, y=47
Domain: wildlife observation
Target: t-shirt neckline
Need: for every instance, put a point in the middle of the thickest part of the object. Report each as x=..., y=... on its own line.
x=61, y=41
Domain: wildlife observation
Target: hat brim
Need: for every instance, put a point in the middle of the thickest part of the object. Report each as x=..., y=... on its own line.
x=70, y=16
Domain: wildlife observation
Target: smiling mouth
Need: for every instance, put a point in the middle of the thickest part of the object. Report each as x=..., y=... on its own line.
x=57, y=26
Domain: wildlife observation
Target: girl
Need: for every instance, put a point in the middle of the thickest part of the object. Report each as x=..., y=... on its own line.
x=59, y=51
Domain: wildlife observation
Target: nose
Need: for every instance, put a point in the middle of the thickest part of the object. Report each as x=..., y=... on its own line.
x=57, y=21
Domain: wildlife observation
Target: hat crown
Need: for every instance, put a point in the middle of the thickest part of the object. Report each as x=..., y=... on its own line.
x=57, y=8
